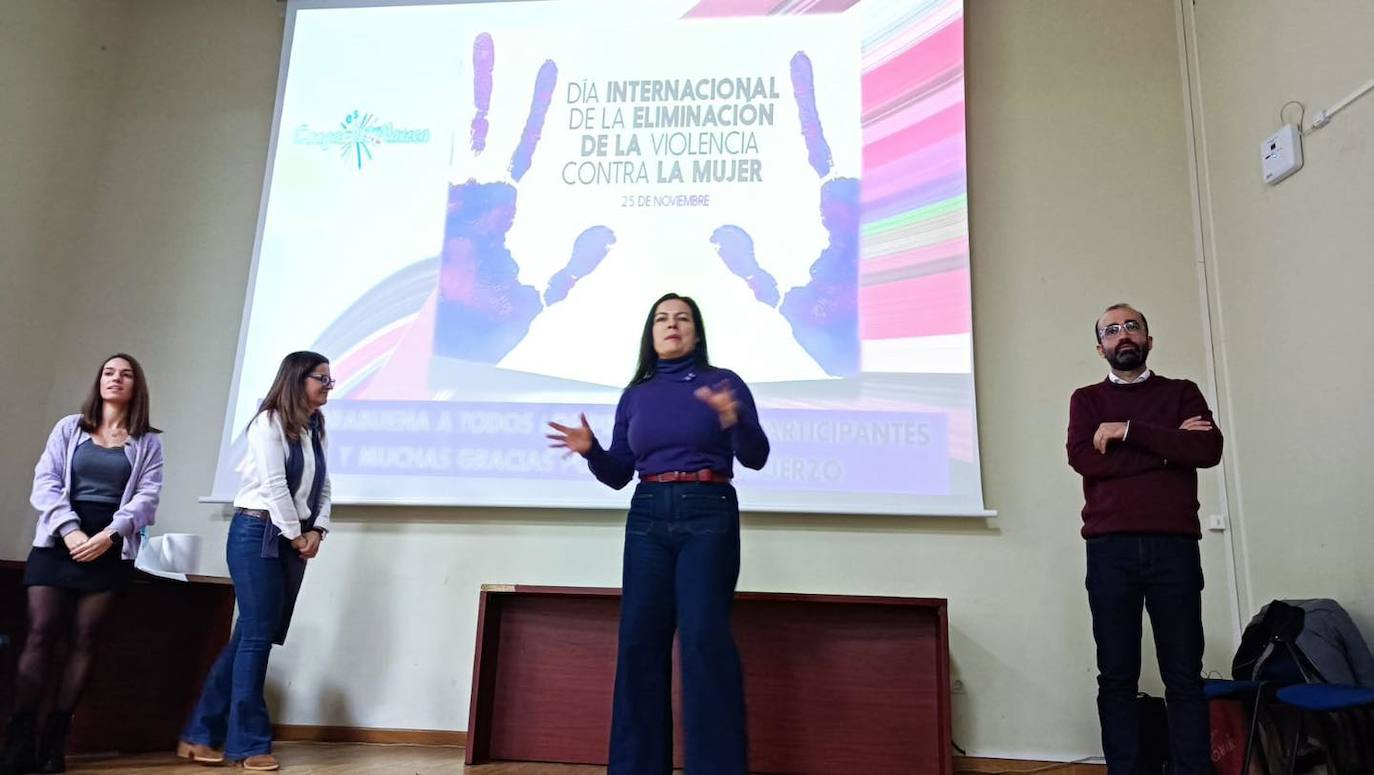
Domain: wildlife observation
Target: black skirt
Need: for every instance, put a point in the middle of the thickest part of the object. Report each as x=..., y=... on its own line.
x=54, y=566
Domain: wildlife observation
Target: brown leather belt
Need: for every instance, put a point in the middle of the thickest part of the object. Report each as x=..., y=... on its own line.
x=704, y=475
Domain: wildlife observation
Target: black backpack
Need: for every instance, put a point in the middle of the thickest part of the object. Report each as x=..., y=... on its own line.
x=1154, y=734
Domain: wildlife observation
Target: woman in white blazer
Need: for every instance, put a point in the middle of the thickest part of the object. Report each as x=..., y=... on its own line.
x=281, y=517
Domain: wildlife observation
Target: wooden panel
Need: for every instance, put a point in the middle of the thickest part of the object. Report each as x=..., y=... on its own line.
x=155, y=651
x=832, y=684
x=481, y=692
x=853, y=681
x=551, y=698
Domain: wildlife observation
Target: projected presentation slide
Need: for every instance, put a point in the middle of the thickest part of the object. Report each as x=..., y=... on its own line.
x=470, y=209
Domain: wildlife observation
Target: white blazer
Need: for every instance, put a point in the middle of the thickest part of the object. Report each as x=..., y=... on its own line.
x=262, y=477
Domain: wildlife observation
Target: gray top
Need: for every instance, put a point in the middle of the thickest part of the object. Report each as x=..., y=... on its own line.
x=99, y=474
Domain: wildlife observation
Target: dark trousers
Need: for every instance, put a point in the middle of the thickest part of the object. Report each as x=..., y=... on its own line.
x=681, y=564
x=1162, y=573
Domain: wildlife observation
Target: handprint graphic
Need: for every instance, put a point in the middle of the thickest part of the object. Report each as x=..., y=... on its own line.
x=824, y=313
x=483, y=310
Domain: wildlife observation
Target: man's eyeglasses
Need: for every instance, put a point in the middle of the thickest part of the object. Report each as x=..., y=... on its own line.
x=326, y=381
x=1114, y=330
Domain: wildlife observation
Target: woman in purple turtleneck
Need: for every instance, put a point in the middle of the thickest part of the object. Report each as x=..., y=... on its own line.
x=679, y=424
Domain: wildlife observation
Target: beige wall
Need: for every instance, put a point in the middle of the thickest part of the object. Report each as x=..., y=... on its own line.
x=1080, y=197
x=56, y=61
x=1291, y=271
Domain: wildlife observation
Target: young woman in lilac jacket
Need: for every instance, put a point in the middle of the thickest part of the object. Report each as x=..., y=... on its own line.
x=95, y=487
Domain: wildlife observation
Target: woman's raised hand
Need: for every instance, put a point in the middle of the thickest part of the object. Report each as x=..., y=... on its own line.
x=722, y=399
x=577, y=439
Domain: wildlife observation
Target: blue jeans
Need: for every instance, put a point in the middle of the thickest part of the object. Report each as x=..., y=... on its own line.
x=1162, y=573
x=681, y=564
x=232, y=711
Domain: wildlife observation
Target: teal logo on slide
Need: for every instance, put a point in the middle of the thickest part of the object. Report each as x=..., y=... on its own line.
x=358, y=134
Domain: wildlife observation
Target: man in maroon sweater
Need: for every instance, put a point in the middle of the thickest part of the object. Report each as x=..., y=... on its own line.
x=1138, y=439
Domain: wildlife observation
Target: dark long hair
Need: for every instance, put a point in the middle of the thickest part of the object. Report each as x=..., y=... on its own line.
x=286, y=398
x=93, y=408
x=648, y=357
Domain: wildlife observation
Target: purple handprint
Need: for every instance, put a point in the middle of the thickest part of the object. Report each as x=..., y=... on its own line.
x=588, y=250
x=483, y=59
x=483, y=310
x=824, y=313
x=736, y=249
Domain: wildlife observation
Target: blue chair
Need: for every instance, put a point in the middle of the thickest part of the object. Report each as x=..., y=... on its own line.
x=1321, y=698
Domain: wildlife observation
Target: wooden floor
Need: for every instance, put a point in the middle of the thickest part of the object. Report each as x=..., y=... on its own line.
x=359, y=758
x=332, y=759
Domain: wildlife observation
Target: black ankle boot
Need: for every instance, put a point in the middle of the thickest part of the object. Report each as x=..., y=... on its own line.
x=18, y=755
x=52, y=747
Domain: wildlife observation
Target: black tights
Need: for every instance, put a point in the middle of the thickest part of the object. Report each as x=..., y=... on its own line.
x=51, y=611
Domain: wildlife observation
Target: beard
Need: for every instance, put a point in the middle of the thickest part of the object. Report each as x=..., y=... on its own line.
x=1130, y=360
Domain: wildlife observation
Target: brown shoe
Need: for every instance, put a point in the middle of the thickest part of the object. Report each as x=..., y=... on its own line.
x=200, y=754
x=264, y=762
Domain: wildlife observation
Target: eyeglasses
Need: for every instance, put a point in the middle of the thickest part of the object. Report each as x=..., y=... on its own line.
x=1114, y=330
x=326, y=381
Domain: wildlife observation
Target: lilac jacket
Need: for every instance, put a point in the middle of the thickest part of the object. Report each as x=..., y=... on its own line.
x=52, y=482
